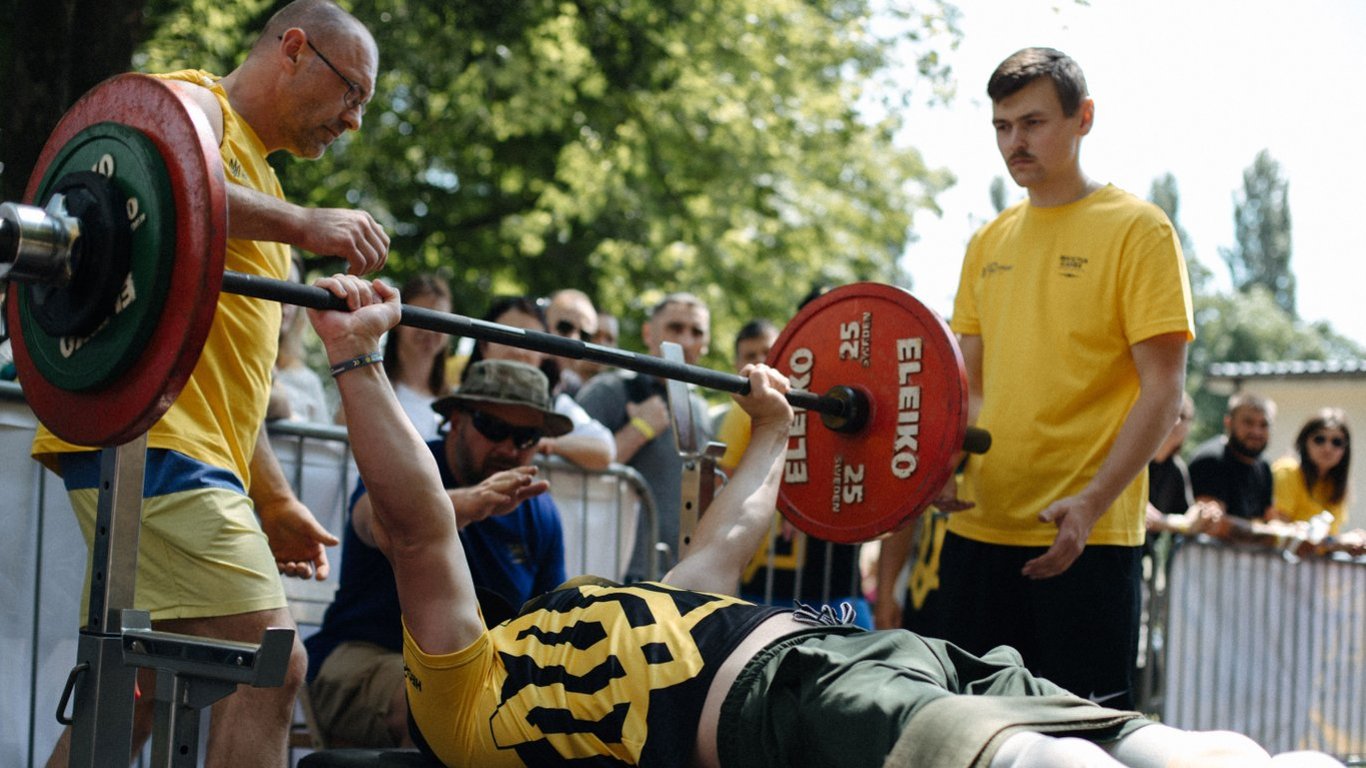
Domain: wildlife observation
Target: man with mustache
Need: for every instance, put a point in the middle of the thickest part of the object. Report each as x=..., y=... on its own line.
x=1229, y=469
x=1073, y=312
x=509, y=529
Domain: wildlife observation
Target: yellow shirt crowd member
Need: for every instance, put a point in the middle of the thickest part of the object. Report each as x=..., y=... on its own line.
x=1297, y=501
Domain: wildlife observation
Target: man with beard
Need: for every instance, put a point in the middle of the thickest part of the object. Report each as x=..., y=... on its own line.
x=509, y=529
x=1229, y=470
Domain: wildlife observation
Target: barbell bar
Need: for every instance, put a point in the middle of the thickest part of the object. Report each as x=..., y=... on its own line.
x=843, y=410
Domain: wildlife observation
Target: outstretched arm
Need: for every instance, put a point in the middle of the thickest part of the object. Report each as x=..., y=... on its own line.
x=413, y=523
x=738, y=518
x=1161, y=364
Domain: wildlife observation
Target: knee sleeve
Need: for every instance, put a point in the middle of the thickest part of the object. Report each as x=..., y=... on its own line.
x=1034, y=750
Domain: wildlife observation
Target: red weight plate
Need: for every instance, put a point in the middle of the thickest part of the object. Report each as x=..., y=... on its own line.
x=135, y=400
x=881, y=341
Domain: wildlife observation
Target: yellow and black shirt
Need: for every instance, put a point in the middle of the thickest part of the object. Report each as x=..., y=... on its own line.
x=586, y=675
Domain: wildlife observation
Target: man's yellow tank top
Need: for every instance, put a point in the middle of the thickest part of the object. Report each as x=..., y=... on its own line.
x=218, y=414
x=1059, y=296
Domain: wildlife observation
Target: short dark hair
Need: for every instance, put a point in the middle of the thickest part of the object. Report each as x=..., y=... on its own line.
x=418, y=285
x=754, y=329
x=1029, y=64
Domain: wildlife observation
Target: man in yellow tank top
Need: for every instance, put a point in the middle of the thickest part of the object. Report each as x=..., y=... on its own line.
x=219, y=520
x=1073, y=311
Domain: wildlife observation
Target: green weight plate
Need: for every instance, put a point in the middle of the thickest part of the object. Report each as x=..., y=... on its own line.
x=129, y=158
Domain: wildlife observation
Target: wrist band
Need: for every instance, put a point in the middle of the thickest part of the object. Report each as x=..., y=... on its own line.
x=368, y=358
x=644, y=427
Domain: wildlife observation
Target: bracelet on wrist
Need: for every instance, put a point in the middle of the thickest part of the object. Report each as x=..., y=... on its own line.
x=643, y=427
x=369, y=358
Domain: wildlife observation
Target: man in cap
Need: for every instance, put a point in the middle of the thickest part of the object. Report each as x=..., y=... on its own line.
x=509, y=529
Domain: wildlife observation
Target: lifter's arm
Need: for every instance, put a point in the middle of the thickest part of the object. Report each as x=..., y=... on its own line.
x=739, y=517
x=413, y=523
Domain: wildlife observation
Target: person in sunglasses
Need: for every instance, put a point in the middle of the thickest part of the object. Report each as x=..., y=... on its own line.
x=1314, y=479
x=589, y=444
x=509, y=529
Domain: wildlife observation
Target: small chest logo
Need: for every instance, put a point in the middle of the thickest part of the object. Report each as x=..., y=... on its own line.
x=995, y=267
x=1071, y=266
x=235, y=168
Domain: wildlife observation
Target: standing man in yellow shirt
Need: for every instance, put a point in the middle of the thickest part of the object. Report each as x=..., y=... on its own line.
x=220, y=523
x=1073, y=311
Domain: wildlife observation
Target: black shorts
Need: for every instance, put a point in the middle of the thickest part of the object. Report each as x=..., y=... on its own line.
x=1078, y=629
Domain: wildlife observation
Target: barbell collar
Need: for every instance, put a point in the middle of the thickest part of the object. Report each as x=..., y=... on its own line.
x=36, y=243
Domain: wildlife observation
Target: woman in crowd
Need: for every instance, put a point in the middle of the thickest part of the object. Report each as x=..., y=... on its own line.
x=415, y=359
x=1315, y=478
x=296, y=391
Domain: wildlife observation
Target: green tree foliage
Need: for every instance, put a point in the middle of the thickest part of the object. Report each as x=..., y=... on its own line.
x=998, y=193
x=1249, y=325
x=629, y=148
x=1261, y=218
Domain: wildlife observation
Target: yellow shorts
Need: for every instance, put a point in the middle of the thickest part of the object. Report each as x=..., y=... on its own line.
x=201, y=550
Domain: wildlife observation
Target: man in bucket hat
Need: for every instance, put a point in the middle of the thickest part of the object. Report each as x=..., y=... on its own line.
x=509, y=528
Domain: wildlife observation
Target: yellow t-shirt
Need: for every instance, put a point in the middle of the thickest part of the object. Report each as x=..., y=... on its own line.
x=219, y=412
x=1058, y=296
x=1291, y=496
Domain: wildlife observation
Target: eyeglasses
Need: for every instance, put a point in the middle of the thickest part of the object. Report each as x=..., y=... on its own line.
x=352, y=98
x=568, y=329
x=497, y=430
x=1337, y=442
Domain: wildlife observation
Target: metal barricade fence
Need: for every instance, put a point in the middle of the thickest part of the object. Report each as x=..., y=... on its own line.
x=1268, y=645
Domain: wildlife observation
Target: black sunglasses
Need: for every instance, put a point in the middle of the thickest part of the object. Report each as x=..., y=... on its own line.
x=1321, y=439
x=496, y=430
x=566, y=328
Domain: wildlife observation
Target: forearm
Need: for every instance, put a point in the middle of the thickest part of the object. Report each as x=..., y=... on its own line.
x=732, y=528
x=629, y=442
x=268, y=487
x=587, y=452
x=892, y=554
x=254, y=215
x=1161, y=366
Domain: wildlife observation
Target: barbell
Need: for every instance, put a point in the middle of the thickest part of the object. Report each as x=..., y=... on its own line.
x=114, y=281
